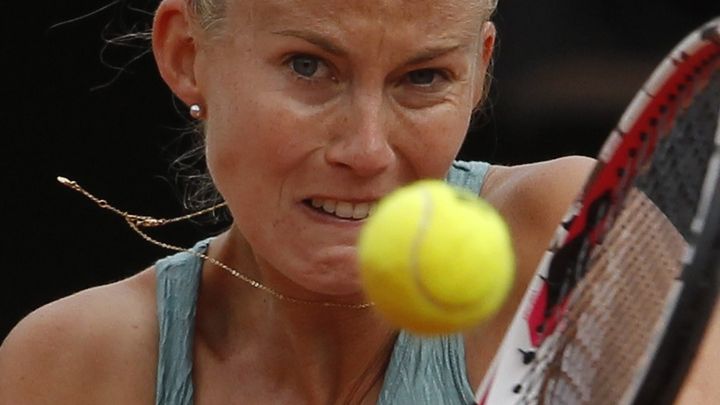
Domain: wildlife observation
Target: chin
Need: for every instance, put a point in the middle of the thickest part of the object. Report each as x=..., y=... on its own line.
x=335, y=278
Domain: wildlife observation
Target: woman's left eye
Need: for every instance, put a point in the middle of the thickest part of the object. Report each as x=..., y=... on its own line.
x=424, y=77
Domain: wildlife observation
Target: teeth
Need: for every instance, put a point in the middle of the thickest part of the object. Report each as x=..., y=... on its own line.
x=329, y=206
x=344, y=209
x=361, y=211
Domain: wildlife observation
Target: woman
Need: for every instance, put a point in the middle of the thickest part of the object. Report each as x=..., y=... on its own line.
x=313, y=111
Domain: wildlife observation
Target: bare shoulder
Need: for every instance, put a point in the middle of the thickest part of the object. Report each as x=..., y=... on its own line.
x=534, y=190
x=90, y=347
x=533, y=199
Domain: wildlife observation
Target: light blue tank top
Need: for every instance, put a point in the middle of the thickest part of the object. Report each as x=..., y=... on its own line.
x=422, y=371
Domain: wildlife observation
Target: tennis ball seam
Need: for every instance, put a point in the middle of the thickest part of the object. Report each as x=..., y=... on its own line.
x=427, y=211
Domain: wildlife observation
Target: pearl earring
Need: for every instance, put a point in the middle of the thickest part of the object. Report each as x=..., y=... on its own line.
x=196, y=111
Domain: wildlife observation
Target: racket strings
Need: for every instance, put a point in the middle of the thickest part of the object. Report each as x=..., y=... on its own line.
x=616, y=313
x=610, y=315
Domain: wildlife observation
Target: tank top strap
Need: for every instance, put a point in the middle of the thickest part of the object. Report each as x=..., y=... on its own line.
x=178, y=280
x=469, y=175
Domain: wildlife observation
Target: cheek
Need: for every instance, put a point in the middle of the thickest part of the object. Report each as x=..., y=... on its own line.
x=436, y=137
x=249, y=121
x=261, y=135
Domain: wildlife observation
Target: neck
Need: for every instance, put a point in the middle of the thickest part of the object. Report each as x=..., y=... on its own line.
x=345, y=352
x=325, y=353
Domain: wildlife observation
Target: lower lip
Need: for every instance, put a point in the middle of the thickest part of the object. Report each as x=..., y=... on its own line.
x=330, y=219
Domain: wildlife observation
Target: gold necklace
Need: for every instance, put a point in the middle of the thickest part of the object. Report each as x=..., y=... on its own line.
x=136, y=222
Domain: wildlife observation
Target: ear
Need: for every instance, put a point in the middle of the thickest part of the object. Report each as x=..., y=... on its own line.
x=488, y=35
x=485, y=53
x=174, y=48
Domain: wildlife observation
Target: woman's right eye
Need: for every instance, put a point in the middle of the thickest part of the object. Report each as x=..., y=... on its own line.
x=305, y=66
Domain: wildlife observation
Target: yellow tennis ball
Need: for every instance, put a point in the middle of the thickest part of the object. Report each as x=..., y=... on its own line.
x=435, y=259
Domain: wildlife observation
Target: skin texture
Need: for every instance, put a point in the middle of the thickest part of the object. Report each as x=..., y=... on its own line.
x=301, y=99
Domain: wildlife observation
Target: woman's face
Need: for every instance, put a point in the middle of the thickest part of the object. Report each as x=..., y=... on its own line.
x=318, y=108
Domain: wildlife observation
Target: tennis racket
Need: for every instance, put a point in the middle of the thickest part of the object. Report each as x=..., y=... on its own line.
x=623, y=294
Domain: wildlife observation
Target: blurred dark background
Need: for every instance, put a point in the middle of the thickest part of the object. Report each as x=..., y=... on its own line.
x=564, y=72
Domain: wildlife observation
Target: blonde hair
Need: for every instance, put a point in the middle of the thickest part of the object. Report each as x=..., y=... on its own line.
x=210, y=13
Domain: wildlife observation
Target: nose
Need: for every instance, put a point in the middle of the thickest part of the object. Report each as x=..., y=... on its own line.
x=361, y=143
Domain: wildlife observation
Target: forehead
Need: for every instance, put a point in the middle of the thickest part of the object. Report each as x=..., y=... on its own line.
x=448, y=17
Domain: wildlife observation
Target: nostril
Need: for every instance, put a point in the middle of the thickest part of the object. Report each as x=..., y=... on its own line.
x=366, y=155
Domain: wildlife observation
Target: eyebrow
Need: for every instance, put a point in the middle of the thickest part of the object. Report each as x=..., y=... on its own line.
x=431, y=53
x=314, y=39
x=425, y=55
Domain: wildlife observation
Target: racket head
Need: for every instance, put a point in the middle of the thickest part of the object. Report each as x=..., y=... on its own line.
x=626, y=177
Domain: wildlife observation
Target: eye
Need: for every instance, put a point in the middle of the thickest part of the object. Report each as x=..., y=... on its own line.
x=423, y=77
x=305, y=66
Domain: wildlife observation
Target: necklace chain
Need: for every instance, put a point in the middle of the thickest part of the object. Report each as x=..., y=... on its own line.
x=136, y=222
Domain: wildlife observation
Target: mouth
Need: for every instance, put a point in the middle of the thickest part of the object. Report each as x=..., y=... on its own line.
x=344, y=210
